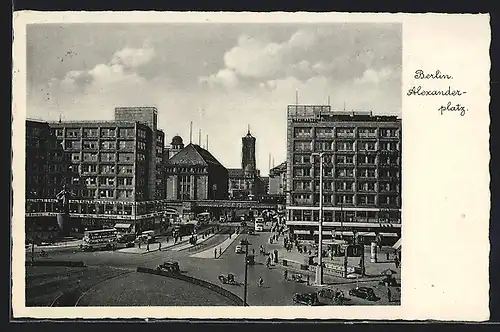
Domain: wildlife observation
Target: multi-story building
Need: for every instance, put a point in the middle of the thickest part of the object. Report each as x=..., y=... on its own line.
x=195, y=174
x=245, y=182
x=119, y=167
x=47, y=170
x=361, y=170
x=277, y=179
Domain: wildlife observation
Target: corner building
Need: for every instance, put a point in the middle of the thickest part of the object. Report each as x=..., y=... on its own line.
x=119, y=171
x=361, y=172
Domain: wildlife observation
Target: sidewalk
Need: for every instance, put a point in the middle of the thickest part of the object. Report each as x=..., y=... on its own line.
x=371, y=269
x=209, y=253
x=165, y=245
x=63, y=244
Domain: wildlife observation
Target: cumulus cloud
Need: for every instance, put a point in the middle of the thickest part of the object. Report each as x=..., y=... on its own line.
x=224, y=77
x=119, y=72
x=134, y=57
x=371, y=76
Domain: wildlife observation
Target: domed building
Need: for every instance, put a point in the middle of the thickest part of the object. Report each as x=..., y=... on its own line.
x=176, y=145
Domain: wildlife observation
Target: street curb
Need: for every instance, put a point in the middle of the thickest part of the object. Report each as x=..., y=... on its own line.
x=213, y=287
x=55, y=263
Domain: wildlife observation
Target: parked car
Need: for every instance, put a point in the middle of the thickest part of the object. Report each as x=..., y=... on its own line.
x=169, y=266
x=366, y=293
x=306, y=298
x=389, y=281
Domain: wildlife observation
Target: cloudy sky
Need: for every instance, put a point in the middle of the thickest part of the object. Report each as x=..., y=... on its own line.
x=223, y=77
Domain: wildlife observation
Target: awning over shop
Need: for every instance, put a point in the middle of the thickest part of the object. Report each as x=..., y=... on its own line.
x=344, y=233
x=366, y=233
x=397, y=245
x=389, y=234
x=122, y=226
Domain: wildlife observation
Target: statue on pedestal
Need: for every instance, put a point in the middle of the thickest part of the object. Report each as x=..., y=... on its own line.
x=63, y=215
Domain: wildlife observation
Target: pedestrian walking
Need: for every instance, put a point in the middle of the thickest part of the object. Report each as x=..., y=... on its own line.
x=387, y=255
x=253, y=251
x=220, y=251
x=261, y=282
x=308, y=280
x=285, y=274
x=215, y=252
x=147, y=247
x=389, y=299
x=159, y=246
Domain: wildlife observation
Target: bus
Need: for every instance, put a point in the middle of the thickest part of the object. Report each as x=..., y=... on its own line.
x=259, y=224
x=100, y=239
x=203, y=218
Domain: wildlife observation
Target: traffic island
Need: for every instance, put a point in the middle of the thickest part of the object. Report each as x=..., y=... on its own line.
x=180, y=276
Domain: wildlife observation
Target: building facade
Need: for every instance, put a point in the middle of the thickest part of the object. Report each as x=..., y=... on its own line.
x=277, y=180
x=361, y=170
x=194, y=174
x=117, y=171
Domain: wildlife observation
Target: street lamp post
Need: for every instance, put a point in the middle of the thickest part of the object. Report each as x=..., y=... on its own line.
x=246, y=275
x=319, y=268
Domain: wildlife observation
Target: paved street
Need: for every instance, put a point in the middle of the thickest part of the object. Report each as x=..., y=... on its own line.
x=105, y=266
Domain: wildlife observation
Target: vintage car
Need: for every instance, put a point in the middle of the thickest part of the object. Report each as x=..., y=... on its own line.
x=306, y=298
x=388, y=281
x=169, y=266
x=337, y=296
x=366, y=293
x=239, y=249
x=229, y=279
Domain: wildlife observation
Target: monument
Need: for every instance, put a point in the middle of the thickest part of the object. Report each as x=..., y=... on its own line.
x=63, y=219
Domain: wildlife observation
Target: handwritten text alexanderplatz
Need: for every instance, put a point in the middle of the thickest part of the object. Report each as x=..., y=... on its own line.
x=447, y=92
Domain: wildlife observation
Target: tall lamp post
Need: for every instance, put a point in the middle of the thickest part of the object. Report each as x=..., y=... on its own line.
x=246, y=274
x=319, y=268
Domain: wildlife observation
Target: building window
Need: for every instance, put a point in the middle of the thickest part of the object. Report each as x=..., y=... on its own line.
x=367, y=132
x=302, y=132
x=324, y=146
x=366, y=146
x=126, y=157
x=367, y=160
x=124, y=181
x=106, y=193
x=302, y=199
x=89, y=169
x=90, y=145
x=141, y=145
x=90, y=156
x=389, y=132
x=345, y=172
x=324, y=132
x=344, y=186
x=108, y=132
x=90, y=132
x=59, y=132
x=366, y=186
x=107, y=169
x=108, y=157
x=141, y=133
x=125, y=169
x=344, y=199
x=345, y=132
x=72, y=132
x=184, y=187
x=344, y=159
x=108, y=145
x=75, y=157
x=303, y=146
x=126, y=132
x=141, y=157
x=345, y=146
x=91, y=181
